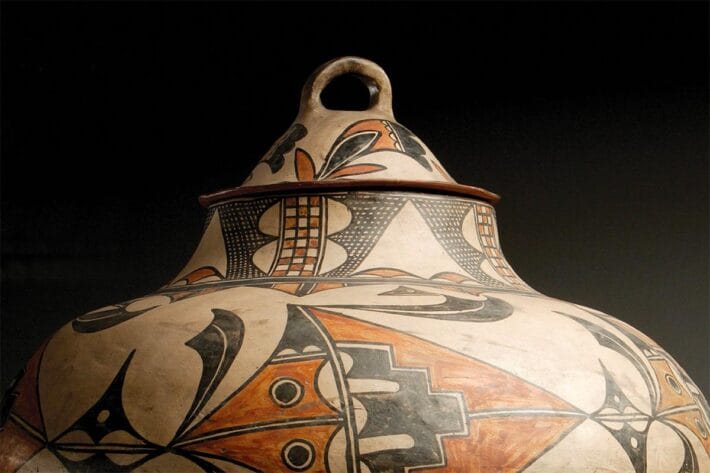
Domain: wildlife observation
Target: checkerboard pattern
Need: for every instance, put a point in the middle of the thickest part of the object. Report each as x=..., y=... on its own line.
x=489, y=240
x=302, y=228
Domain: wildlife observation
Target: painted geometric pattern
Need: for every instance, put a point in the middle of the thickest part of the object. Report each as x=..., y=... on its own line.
x=242, y=236
x=302, y=236
x=371, y=215
x=304, y=232
x=445, y=218
x=676, y=402
x=342, y=394
x=485, y=220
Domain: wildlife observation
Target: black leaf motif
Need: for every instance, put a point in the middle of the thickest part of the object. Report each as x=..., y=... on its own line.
x=275, y=158
x=349, y=149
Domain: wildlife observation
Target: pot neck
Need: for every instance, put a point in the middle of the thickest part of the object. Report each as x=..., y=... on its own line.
x=351, y=236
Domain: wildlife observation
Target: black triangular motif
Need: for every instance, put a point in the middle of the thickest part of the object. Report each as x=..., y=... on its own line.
x=275, y=157
x=690, y=461
x=406, y=291
x=490, y=309
x=371, y=214
x=106, y=416
x=617, y=415
x=410, y=145
x=217, y=345
x=445, y=220
x=299, y=334
x=240, y=231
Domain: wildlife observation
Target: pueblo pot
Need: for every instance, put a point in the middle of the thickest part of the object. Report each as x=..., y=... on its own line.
x=349, y=309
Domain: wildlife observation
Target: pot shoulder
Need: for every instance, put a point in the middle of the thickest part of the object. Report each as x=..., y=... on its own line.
x=330, y=375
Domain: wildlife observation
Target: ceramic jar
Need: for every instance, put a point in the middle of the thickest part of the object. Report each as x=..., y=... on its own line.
x=349, y=309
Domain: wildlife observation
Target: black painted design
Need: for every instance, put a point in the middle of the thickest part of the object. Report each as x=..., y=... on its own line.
x=300, y=336
x=103, y=319
x=694, y=391
x=368, y=136
x=105, y=417
x=445, y=219
x=452, y=308
x=275, y=156
x=206, y=466
x=654, y=351
x=690, y=460
x=625, y=422
x=286, y=392
x=8, y=399
x=217, y=345
x=349, y=149
x=371, y=214
x=608, y=339
x=410, y=144
x=298, y=455
x=412, y=410
x=240, y=230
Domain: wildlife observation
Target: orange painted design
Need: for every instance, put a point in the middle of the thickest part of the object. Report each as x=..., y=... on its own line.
x=262, y=450
x=326, y=286
x=693, y=420
x=26, y=404
x=356, y=170
x=673, y=393
x=17, y=445
x=305, y=169
x=386, y=140
x=485, y=221
x=503, y=444
x=301, y=236
x=254, y=404
x=201, y=273
x=453, y=277
x=290, y=223
x=289, y=288
x=473, y=291
x=385, y=273
x=449, y=371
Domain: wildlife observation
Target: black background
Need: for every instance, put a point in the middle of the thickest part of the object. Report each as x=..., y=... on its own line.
x=589, y=119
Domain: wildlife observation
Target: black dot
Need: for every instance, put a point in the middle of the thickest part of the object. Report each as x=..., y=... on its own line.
x=298, y=456
x=286, y=392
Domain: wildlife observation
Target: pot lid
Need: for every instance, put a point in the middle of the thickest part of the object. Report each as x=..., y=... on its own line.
x=347, y=149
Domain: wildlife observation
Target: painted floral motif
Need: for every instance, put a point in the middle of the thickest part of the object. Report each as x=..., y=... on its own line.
x=343, y=160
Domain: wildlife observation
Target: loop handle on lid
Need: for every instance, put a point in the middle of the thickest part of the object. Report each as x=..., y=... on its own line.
x=368, y=72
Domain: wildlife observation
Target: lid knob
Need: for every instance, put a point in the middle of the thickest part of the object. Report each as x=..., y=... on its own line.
x=348, y=149
x=372, y=75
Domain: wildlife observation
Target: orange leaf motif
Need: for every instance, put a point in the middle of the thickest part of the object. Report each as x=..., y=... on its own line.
x=385, y=273
x=305, y=169
x=357, y=170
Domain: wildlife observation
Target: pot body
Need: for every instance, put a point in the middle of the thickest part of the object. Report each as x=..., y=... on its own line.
x=352, y=332
x=330, y=321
